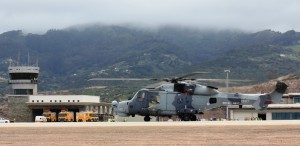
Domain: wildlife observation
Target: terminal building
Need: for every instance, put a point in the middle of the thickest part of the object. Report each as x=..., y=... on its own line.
x=288, y=109
x=25, y=103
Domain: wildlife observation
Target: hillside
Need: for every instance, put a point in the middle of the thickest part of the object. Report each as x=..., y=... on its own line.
x=291, y=80
x=68, y=58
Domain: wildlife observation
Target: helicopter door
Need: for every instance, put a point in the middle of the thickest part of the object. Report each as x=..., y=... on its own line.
x=154, y=99
x=170, y=102
x=139, y=104
x=157, y=101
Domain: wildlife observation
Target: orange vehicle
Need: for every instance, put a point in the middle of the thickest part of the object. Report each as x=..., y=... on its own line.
x=66, y=116
x=50, y=116
x=87, y=117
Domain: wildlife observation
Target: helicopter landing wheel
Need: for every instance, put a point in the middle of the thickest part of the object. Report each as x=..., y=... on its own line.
x=185, y=118
x=147, y=118
x=193, y=118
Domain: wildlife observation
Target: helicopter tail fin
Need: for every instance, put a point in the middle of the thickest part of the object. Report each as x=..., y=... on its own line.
x=271, y=98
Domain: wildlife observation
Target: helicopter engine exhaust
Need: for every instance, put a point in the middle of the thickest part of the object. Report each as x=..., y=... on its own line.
x=205, y=90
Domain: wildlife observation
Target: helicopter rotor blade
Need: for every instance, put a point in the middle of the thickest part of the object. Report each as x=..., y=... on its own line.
x=191, y=74
x=155, y=84
x=223, y=80
x=123, y=79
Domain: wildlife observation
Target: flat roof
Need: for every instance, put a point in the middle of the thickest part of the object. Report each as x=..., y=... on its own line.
x=295, y=94
x=270, y=106
x=66, y=104
x=23, y=69
x=64, y=98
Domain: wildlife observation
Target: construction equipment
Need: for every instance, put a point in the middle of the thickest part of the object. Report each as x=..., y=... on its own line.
x=66, y=116
x=88, y=116
x=51, y=116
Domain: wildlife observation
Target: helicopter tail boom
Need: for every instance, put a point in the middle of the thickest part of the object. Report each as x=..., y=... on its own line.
x=271, y=98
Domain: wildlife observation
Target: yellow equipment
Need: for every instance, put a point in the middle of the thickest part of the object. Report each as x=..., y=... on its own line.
x=50, y=116
x=66, y=116
x=87, y=116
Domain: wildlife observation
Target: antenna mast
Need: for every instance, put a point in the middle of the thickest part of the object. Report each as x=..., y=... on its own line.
x=28, y=58
x=18, y=59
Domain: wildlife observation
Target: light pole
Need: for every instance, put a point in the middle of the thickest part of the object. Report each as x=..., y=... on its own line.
x=227, y=71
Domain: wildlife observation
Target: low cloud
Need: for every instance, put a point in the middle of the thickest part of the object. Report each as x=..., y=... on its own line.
x=39, y=16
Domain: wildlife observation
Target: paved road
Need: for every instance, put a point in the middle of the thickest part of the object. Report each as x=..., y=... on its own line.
x=177, y=123
x=152, y=133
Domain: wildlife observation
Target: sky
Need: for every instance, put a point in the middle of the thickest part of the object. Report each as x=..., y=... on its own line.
x=38, y=16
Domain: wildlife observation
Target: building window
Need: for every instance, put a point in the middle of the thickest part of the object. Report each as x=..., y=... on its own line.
x=37, y=101
x=285, y=116
x=68, y=100
x=55, y=101
x=73, y=100
x=295, y=115
x=50, y=100
x=297, y=99
x=42, y=100
x=32, y=101
x=77, y=100
x=59, y=100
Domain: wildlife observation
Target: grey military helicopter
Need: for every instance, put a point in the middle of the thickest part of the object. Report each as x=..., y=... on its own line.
x=178, y=97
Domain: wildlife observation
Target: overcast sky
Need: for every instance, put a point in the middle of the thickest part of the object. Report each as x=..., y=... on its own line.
x=37, y=16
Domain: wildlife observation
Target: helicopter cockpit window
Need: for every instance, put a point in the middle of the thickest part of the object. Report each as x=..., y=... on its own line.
x=141, y=96
x=155, y=99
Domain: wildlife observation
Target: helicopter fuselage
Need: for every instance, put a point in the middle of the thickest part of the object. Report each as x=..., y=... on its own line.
x=186, y=100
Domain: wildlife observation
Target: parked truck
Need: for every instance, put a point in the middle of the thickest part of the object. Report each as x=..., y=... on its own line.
x=88, y=116
x=50, y=116
x=66, y=116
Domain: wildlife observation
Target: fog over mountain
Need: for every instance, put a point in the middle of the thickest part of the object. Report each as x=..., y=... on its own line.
x=35, y=16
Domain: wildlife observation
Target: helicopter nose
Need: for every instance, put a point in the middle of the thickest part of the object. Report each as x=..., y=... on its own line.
x=114, y=103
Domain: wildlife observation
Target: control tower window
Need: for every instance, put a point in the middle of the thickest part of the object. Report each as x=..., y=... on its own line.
x=22, y=76
x=23, y=91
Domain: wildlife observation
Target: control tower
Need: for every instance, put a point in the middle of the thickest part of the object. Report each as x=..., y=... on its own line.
x=23, y=79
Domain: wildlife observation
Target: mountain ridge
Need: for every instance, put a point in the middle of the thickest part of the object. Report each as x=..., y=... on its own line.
x=74, y=55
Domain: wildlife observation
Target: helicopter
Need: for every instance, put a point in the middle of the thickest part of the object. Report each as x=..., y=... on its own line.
x=185, y=99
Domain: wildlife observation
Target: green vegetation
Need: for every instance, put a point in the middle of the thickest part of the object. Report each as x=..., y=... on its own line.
x=68, y=58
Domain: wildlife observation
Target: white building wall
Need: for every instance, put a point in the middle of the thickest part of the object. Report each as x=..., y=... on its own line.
x=63, y=98
x=242, y=115
x=269, y=115
x=26, y=86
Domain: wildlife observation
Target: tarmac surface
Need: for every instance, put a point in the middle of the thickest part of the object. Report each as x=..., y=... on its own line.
x=152, y=133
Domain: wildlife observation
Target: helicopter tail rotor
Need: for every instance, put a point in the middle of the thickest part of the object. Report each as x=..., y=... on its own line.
x=271, y=98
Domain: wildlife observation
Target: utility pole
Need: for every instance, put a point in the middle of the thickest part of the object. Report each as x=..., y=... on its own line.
x=227, y=71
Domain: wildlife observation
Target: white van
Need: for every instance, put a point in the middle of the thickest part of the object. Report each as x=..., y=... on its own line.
x=2, y=120
x=40, y=119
